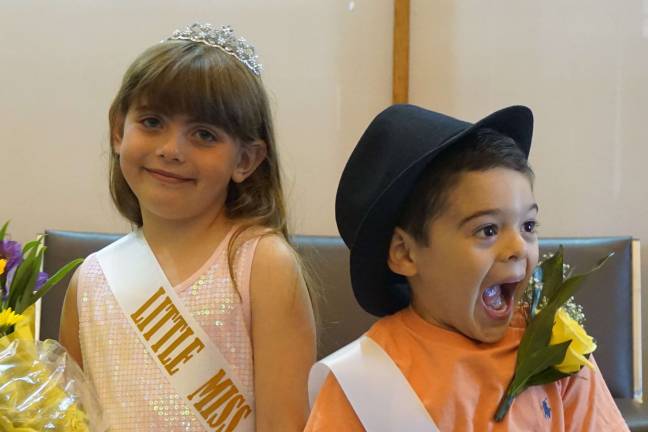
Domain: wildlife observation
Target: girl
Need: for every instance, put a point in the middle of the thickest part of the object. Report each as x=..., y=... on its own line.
x=194, y=166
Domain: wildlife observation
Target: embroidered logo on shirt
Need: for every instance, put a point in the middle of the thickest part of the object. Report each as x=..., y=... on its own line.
x=546, y=409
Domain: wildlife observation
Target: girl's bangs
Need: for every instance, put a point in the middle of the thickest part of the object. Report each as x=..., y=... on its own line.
x=198, y=86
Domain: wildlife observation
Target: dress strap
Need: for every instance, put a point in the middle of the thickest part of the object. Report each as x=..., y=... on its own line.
x=244, y=260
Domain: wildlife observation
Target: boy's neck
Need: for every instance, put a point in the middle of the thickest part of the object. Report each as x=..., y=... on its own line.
x=428, y=317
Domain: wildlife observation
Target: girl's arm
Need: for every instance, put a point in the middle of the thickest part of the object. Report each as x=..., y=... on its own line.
x=283, y=337
x=69, y=329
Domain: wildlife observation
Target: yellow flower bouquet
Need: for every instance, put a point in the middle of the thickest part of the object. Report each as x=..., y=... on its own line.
x=41, y=387
x=555, y=344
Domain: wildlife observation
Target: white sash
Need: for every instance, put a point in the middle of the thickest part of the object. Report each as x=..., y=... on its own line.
x=377, y=390
x=175, y=341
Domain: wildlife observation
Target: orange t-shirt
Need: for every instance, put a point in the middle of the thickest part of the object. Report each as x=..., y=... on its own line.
x=461, y=382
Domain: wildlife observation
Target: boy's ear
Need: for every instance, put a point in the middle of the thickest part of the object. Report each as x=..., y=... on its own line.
x=400, y=257
x=251, y=156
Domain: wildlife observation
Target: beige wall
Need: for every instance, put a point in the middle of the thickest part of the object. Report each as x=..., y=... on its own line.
x=327, y=68
x=580, y=65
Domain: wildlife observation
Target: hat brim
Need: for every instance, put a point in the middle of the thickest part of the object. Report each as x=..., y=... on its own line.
x=378, y=290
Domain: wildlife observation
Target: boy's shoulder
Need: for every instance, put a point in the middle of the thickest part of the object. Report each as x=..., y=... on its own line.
x=392, y=332
x=408, y=339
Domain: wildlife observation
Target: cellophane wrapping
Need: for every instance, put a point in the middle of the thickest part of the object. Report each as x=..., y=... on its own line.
x=42, y=388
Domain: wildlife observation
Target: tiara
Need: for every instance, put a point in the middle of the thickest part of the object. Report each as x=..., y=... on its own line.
x=222, y=38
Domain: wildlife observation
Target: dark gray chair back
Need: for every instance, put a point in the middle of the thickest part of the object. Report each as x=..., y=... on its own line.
x=63, y=247
x=607, y=296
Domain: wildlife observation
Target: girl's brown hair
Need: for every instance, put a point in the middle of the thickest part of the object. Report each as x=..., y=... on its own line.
x=184, y=77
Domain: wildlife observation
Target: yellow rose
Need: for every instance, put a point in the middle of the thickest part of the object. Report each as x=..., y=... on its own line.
x=3, y=265
x=566, y=328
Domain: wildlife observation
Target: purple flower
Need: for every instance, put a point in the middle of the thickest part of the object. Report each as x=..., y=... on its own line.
x=40, y=281
x=12, y=252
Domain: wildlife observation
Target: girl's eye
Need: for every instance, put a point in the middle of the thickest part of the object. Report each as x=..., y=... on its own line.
x=205, y=135
x=530, y=226
x=151, y=122
x=487, y=231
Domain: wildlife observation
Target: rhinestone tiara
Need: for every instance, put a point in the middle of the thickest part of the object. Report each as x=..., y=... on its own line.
x=222, y=38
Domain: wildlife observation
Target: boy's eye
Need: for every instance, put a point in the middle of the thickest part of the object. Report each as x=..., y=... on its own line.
x=530, y=226
x=487, y=231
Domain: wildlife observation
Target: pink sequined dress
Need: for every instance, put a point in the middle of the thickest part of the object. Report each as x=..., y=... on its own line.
x=134, y=394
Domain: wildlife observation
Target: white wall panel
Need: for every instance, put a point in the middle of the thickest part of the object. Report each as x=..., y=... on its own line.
x=327, y=68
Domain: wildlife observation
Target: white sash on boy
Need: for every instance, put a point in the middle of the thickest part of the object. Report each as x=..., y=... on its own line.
x=175, y=341
x=376, y=388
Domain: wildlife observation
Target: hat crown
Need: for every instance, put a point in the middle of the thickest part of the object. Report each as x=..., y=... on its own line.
x=385, y=165
x=393, y=141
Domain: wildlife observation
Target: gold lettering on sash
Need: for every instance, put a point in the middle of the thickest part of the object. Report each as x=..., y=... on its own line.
x=241, y=414
x=215, y=393
x=180, y=325
x=169, y=337
x=171, y=312
x=186, y=332
x=137, y=316
x=220, y=419
x=146, y=321
x=166, y=313
x=197, y=345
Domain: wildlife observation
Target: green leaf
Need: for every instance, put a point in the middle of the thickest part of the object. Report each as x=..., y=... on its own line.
x=31, y=246
x=538, y=332
x=503, y=407
x=541, y=359
x=24, y=299
x=571, y=285
x=552, y=273
x=58, y=276
x=21, y=277
x=547, y=376
x=25, y=278
x=3, y=230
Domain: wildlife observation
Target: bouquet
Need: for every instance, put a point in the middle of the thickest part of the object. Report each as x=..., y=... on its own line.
x=555, y=344
x=41, y=387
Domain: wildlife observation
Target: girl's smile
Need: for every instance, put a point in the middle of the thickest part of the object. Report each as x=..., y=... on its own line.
x=168, y=177
x=177, y=167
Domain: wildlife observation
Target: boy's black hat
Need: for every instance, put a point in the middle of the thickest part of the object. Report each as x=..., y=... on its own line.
x=379, y=175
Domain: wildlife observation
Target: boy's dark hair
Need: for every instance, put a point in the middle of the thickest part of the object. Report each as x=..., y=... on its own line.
x=483, y=150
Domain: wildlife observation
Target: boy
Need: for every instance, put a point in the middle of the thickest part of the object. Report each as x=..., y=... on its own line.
x=440, y=218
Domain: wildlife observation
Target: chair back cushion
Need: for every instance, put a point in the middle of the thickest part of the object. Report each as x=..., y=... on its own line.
x=605, y=297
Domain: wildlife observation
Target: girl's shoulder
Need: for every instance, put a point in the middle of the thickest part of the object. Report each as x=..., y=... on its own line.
x=276, y=267
x=89, y=267
x=271, y=247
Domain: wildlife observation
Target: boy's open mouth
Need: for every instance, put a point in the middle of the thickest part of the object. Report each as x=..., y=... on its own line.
x=498, y=299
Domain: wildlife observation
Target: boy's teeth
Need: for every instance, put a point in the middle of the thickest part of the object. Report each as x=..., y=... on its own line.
x=493, y=297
